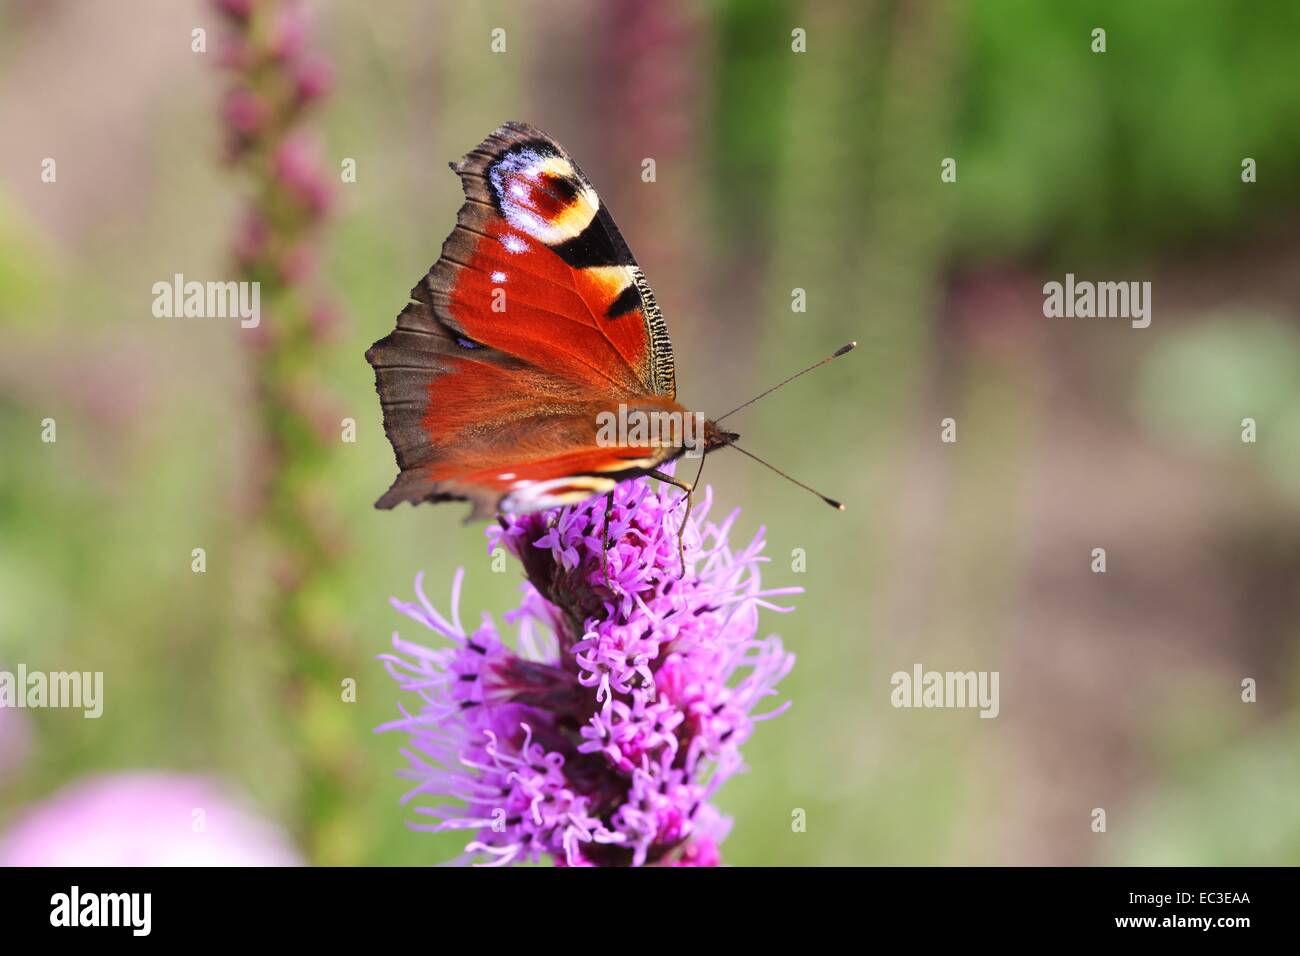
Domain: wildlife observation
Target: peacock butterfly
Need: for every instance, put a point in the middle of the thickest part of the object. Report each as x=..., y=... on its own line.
x=534, y=326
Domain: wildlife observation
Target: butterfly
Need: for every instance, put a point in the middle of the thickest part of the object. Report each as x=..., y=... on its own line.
x=533, y=331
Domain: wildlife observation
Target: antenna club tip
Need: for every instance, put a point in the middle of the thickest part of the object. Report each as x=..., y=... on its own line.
x=844, y=349
x=838, y=506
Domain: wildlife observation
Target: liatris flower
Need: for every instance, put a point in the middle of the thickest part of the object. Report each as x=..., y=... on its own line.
x=144, y=819
x=275, y=81
x=598, y=737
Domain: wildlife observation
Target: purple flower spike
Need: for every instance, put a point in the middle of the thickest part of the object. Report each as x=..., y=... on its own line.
x=599, y=734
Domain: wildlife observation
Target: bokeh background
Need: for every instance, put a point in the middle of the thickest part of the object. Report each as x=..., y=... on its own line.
x=776, y=170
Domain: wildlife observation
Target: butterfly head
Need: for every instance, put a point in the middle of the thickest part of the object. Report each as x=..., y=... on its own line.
x=715, y=437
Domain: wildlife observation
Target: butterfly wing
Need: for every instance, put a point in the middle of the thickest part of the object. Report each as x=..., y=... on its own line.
x=534, y=319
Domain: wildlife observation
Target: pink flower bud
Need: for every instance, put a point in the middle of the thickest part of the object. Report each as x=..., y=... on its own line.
x=245, y=112
x=288, y=32
x=313, y=79
x=294, y=159
x=296, y=167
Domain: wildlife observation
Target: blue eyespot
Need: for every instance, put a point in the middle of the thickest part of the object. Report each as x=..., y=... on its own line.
x=468, y=344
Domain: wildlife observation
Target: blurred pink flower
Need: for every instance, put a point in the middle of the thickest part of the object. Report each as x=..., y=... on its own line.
x=144, y=819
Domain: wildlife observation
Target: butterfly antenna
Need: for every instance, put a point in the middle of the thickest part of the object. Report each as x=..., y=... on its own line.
x=830, y=501
x=842, y=350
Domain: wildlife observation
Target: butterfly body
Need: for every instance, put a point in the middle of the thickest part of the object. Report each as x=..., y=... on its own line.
x=533, y=328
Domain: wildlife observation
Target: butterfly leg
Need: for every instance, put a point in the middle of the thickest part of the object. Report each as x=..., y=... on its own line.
x=604, y=554
x=689, y=489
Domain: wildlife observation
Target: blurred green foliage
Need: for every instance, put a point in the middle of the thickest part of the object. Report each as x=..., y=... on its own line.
x=1133, y=152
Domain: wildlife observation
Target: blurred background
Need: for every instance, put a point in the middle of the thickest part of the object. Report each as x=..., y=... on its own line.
x=775, y=170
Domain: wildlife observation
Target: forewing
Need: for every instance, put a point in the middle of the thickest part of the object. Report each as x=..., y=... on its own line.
x=535, y=318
